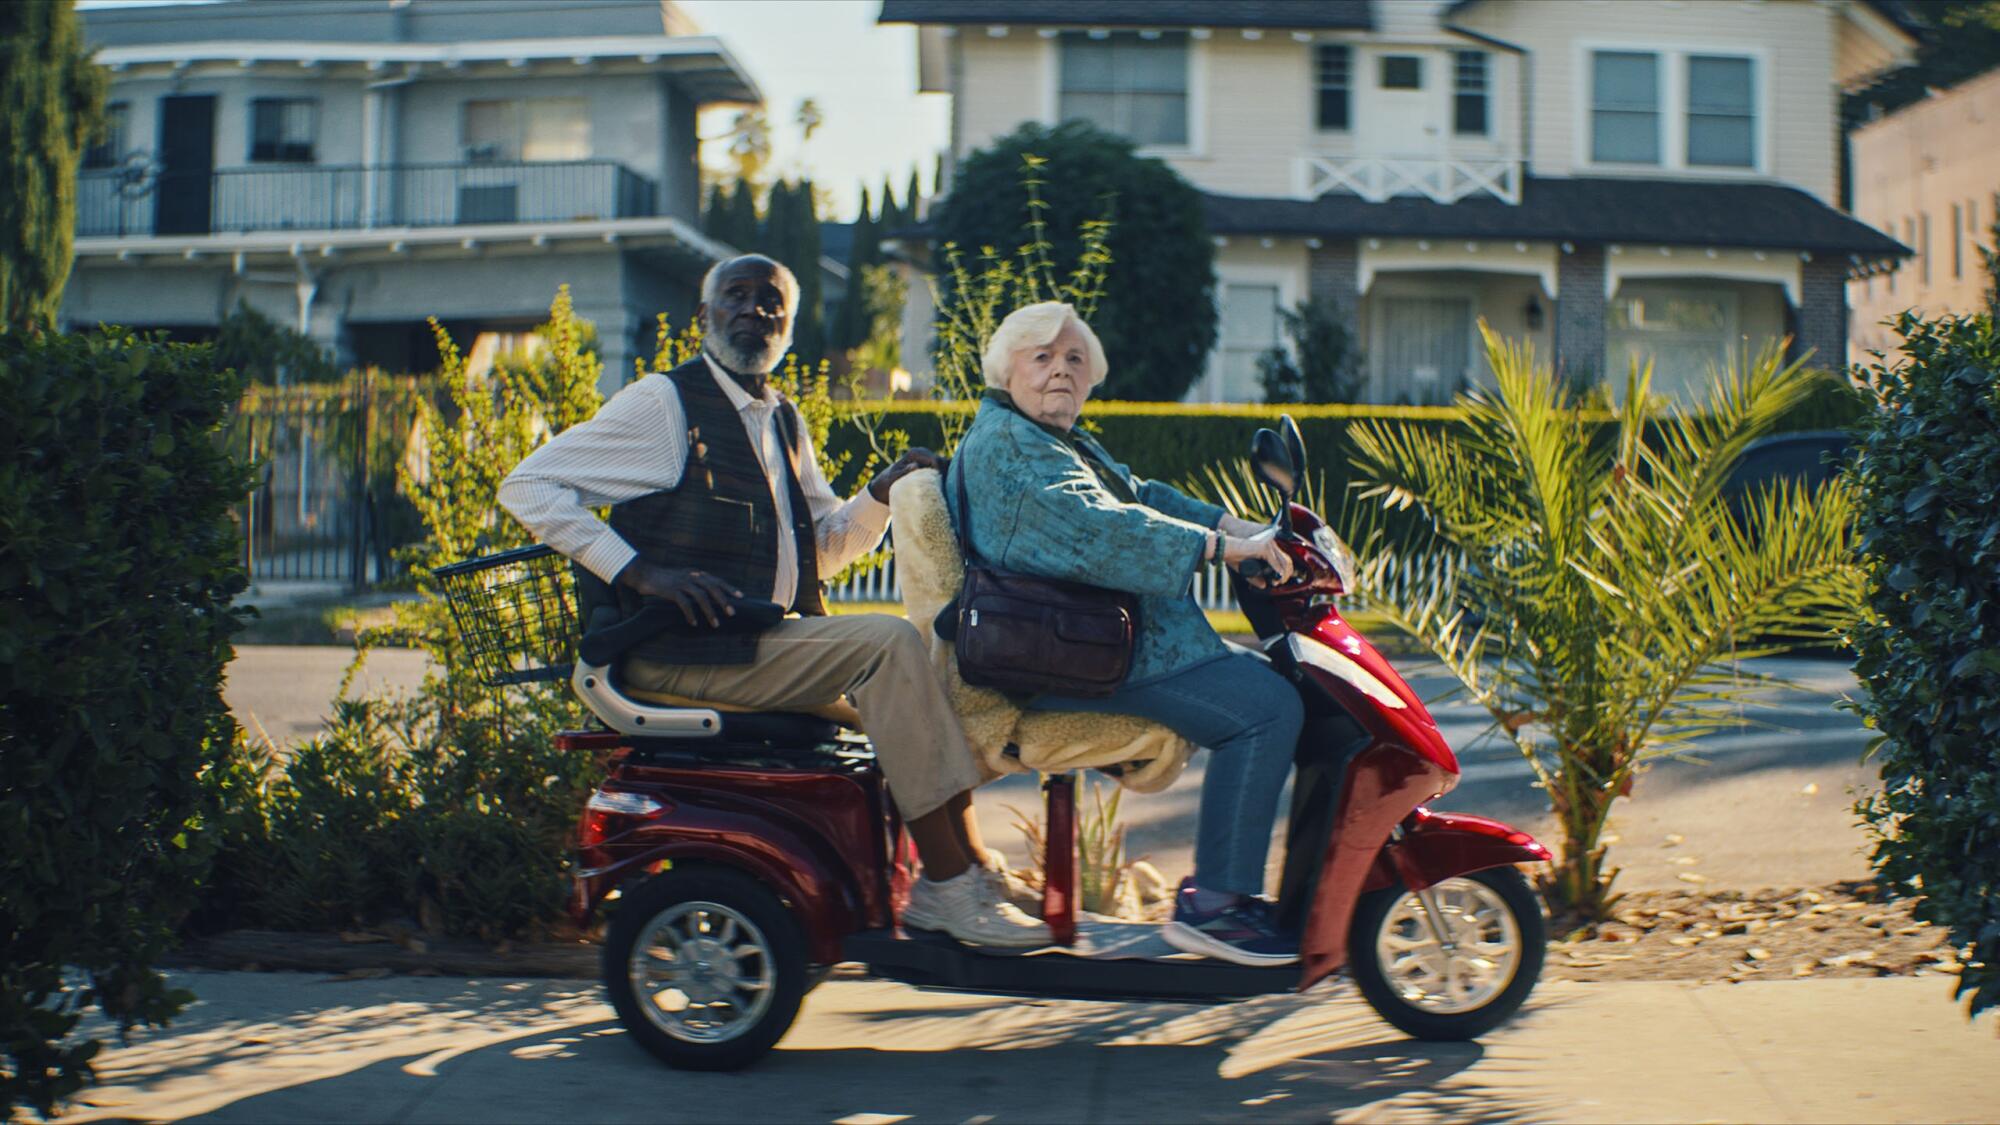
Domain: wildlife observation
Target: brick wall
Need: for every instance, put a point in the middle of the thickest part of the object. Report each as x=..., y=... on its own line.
x=1580, y=312
x=1820, y=321
x=1331, y=272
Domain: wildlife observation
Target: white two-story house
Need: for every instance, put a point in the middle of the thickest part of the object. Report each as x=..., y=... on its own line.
x=1605, y=178
x=350, y=167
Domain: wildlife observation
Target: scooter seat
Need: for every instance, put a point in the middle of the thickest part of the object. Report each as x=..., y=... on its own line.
x=839, y=712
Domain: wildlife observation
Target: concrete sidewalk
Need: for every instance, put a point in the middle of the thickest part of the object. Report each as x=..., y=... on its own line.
x=264, y=1047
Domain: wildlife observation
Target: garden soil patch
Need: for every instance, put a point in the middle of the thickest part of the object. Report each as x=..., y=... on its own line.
x=1843, y=930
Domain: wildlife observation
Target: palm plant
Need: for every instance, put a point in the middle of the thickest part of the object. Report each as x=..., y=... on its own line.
x=1588, y=580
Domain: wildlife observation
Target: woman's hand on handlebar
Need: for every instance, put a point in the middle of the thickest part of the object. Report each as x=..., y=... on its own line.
x=1242, y=528
x=1263, y=548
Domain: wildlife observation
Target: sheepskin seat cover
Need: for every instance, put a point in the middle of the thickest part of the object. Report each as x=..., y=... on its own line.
x=1146, y=756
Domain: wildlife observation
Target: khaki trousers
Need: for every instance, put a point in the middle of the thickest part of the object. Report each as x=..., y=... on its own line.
x=873, y=658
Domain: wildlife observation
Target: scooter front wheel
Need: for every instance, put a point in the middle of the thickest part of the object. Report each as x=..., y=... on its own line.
x=705, y=967
x=1468, y=983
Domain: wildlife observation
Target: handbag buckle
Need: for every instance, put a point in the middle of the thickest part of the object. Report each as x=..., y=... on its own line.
x=973, y=619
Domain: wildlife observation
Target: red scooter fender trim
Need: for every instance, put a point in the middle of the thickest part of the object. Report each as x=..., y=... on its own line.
x=1386, y=782
x=781, y=860
x=1439, y=846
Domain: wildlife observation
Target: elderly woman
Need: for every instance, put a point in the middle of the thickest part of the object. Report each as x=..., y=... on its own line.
x=1047, y=500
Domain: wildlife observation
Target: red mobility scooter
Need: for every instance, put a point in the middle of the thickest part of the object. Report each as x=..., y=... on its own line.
x=744, y=854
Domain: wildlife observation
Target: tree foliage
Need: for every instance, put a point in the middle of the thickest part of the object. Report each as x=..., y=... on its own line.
x=1594, y=587
x=269, y=353
x=1157, y=319
x=51, y=106
x=118, y=562
x=1928, y=472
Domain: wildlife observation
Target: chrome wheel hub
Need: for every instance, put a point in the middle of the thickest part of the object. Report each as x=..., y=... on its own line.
x=1473, y=965
x=703, y=972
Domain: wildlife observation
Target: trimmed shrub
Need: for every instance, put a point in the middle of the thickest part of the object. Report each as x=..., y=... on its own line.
x=118, y=560
x=1928, y=466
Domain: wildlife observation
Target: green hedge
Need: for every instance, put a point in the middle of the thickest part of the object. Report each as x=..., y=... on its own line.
x=1929, y=471
x=118, y=561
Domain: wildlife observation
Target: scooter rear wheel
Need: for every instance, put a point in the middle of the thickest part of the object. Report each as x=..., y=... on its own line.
x=705, y=967
x=1494, y=921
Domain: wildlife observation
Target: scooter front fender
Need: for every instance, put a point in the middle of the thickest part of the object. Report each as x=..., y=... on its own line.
x=1438, y=846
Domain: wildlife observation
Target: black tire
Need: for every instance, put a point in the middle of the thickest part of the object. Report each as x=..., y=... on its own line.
x=673, y=898
x=1520, y=902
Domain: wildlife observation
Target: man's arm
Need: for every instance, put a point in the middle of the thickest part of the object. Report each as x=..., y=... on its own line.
x=843, y=530
x=636, y=444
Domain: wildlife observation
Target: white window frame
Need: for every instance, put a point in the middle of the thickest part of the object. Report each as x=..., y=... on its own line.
x=1291, y=282
x=1732, y=313
x=520, y=143
x=1673, y=62
x=1197, y=94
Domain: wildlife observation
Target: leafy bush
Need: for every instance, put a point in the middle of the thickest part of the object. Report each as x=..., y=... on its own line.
x=1928, y=469
x=1324, y=363
x=1157, y=324
x=264, y=351
x=118, y=561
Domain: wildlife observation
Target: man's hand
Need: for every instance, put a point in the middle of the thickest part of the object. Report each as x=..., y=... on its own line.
x=701, y=596
x=908, y=463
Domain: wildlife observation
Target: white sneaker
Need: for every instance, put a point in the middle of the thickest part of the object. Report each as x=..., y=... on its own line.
x=967, y=909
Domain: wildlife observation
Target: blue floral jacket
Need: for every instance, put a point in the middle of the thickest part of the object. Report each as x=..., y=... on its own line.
x=1038, y=508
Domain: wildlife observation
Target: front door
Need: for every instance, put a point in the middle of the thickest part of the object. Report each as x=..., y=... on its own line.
x=184, y=194
x=1423, y=347
x=1400, y=112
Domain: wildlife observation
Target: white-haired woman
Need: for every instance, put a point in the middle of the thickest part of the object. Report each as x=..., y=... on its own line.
x=1045, y=499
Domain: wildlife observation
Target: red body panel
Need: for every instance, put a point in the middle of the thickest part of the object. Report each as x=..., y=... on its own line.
x=1059, y=860
x=1384, y=783
x=1438, y=846
x=814, y=837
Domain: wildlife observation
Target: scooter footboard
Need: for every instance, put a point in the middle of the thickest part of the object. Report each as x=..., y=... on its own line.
x=1438, y=846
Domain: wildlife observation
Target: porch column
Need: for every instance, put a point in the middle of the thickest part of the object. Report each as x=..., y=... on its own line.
x=615, y=326
x=1580, y=305
x=1820, y=320
x=1333, y=270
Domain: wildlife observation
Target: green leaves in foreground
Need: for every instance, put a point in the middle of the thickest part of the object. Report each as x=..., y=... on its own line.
x=1929, y=479
x=1591, y=581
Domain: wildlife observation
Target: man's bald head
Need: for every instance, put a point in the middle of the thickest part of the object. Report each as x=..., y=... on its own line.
x=746, y=311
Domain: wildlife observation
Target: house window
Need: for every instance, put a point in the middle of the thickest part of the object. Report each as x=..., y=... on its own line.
x=534, y=129
x=1249, y=329
x=1721, y=121
x=1469, y=93
x=1624, y=108
x=282, y=130
x=110, y=147
x=1126, y=84
x=1402, y=72
x=1336, y=77
x=1682, y=331
x=1957, y=242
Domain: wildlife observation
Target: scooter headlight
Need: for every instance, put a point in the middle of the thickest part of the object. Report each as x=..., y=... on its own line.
x=1337, y=552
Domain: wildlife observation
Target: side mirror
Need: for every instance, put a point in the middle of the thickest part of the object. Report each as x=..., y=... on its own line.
x=1272, y=462
x=1294, y=444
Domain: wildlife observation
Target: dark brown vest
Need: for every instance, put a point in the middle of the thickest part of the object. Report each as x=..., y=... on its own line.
x=720, y=519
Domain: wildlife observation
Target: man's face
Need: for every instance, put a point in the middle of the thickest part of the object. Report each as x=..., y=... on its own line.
x=751, y=314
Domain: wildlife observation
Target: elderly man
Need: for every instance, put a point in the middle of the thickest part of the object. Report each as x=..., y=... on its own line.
x=716, y=495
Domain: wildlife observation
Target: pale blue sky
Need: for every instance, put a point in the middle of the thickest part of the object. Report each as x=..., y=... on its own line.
x=864, y=77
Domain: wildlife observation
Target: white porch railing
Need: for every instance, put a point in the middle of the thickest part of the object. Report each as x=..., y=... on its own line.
x=1211, y=589
x=1377, y=178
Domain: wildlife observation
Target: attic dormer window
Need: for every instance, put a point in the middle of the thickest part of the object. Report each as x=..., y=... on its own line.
x=1123, y=83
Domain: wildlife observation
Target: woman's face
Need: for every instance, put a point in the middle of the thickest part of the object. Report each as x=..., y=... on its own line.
x=1050, y=382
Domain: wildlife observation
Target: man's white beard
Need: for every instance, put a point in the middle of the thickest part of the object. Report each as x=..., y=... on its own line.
x=760, y=362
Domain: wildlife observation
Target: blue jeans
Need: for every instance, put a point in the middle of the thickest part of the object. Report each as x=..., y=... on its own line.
x=1249, y=718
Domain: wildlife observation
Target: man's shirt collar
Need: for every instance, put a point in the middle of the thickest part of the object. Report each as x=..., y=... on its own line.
x=739, y=399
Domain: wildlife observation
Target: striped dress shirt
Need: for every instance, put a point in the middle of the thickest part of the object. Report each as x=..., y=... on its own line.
x=637, y=445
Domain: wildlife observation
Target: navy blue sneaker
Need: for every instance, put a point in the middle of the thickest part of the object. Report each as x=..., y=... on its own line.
x=1242, y=932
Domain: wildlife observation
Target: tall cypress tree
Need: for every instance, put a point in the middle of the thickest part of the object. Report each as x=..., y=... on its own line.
x=715, y=213
x=774, y=230
x=741, y=229
x=851, y=327
x=51, y=106
x=913, y=198
x=891, y=216
x=810, y=336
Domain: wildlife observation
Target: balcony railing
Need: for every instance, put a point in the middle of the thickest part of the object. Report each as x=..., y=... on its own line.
x=137, y=201
x=1378, y=178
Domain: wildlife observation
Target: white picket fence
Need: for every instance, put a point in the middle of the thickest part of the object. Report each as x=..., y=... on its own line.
x=1211, y=588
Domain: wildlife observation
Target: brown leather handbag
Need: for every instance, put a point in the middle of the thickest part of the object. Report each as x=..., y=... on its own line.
x=1027, y=635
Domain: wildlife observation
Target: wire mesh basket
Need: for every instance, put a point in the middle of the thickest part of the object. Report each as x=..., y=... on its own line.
x=516, y=614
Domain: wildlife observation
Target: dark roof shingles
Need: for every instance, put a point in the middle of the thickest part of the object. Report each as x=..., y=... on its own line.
x=1303, y=14
x=1667, y=212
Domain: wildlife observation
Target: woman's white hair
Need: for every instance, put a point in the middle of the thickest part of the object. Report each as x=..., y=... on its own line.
x=1031, y=326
